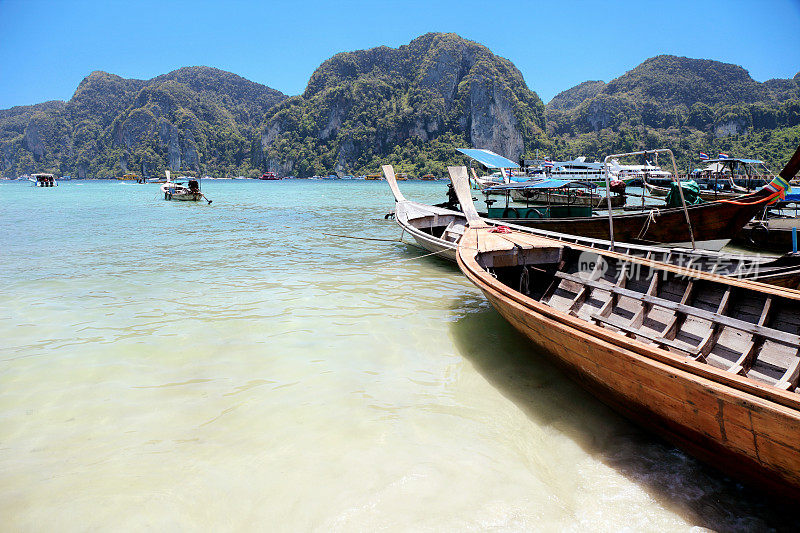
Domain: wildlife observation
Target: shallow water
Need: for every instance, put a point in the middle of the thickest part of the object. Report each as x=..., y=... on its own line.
x=228, y=367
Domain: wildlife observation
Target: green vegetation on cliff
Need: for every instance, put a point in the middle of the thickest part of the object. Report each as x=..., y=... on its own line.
x=196, y=118
x=689, y=105
x=410, y=106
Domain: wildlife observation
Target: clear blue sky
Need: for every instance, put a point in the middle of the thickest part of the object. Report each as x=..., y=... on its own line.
x=47, y=47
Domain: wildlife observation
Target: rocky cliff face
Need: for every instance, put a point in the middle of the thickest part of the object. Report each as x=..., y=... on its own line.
x=360, y=106
x=195, y=118
x=411, y=106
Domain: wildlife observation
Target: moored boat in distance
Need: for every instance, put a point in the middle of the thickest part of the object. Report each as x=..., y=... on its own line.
x=708, y=362
x=269, y=176
x=183, y=188
x=43, y=179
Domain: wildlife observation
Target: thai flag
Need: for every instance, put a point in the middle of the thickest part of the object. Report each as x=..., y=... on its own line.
x=703, y=156
x=548, y=164
x=724, y=156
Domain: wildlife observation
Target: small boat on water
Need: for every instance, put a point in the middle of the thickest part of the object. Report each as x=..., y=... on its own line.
x=438, y=230
x=745, y=175
x=183, y=188
x=129, y=176
x=43, y=180
x=708, y=362
x=269, y=176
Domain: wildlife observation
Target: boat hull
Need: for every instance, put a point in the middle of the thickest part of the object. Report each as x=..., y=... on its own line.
x=713, y=224
x=434, y=245
x=434, y=223
x=189, y=197
x=737, y=432
x=773, y=234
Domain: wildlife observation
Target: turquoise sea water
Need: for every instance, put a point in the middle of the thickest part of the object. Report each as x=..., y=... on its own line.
x=228, y=367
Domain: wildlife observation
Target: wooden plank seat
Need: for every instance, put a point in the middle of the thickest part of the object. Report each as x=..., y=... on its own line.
x=724, y=320
x=454, y=231
x=622, y=324
x=791, y=377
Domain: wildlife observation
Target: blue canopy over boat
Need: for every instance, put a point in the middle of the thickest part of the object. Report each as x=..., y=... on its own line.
x=488, y=158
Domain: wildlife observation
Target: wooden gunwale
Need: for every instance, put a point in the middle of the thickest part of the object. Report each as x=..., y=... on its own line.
x=679, y=270
x=767, y=392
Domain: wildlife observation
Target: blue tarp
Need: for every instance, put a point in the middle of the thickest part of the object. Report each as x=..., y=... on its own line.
x=488, y=158
x=792, y=197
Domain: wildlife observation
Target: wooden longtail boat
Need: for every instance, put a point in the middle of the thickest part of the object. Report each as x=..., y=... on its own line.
x=438, y=231
x=714, y=223
x=184, y=189
x=709, y=362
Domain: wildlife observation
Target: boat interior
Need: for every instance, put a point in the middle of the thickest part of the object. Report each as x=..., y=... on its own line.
x=445, y=226
x=449, y=226
x=732, y=328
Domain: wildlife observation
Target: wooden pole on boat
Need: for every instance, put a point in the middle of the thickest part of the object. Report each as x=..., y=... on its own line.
x=674, y=177
x=388, y=171
x=610, y=215
x=683, y=200
x=460, y=179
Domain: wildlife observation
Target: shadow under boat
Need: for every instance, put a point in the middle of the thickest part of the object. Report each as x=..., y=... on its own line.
x=700, y=494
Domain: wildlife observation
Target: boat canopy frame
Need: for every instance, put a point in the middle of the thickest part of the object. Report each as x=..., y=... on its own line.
x=675, y=179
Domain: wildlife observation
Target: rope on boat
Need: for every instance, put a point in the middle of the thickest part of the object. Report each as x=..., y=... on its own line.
x=416, y=257
x=651, y=217
x=360, y=238
x=391, y=240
